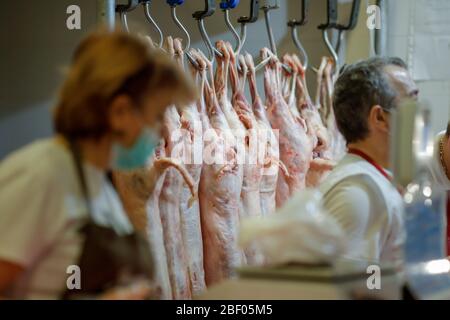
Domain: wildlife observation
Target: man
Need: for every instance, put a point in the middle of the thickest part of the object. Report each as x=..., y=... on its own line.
x=358, y=193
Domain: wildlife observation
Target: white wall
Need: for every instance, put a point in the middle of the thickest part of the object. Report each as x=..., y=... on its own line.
x=34, y=48
x=436, y=92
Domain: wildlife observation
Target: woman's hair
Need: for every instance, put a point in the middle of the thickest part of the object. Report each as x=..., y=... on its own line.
x=106, y=65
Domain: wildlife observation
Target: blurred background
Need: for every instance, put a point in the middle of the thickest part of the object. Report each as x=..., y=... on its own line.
x=36, y=46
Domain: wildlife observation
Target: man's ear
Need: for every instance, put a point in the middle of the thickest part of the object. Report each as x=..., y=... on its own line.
x=378, y=119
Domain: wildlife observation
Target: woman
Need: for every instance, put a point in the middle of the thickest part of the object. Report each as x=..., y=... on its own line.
x=116, y=90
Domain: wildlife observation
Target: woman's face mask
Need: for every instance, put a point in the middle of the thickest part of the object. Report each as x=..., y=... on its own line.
x=139, y=154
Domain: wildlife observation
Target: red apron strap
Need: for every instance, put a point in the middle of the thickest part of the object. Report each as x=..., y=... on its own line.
x=366, y=157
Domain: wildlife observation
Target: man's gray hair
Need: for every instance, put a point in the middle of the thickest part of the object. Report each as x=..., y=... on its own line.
x=361, y=86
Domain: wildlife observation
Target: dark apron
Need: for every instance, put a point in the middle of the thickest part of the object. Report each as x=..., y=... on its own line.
x=107, y=260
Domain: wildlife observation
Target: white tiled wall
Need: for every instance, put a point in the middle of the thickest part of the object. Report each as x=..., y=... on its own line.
x=436, y=93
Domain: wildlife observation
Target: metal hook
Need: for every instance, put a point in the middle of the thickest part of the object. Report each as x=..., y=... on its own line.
x=254, y=14
x=226, y=6
x=300, y=47
x=211, y=49
x=353, y=17
x=272, y=42
x=173, y=5
x=253, y=17
x=330, y=49
x=146, y=5
x=332, y=16
x=350, y=26
x=337, y=48
x=273, y=46
x=210, y=8
x=294, y=32
x=173, y=12
x=243, y=36
x=123, y=20
x=123, y=9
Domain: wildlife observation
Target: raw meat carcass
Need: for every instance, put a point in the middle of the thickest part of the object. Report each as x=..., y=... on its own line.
x=141, y=203
x=295, y=147
x=221, y=90
x=139, y=191
x=309, y=111
x=288, y=81
x=220, y=188
x=169, y=202
x=235, y=136
x=169, y=207
x=324, y=99
x=251, y=206
x=156, y=236
x=321, y=93
x=268, y=147
x=296, y=97
x=320, y=166
x=252, y=167
x=190, y=212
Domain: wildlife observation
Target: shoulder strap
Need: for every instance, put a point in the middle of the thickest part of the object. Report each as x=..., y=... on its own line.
x=76, y=155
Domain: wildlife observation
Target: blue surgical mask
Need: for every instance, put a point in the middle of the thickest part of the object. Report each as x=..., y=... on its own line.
x=138, y=155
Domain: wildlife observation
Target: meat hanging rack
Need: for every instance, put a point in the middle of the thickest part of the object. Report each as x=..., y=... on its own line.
x=107, y=10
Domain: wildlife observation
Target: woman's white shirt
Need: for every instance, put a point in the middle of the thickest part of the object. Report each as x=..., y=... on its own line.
x=41, y=210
